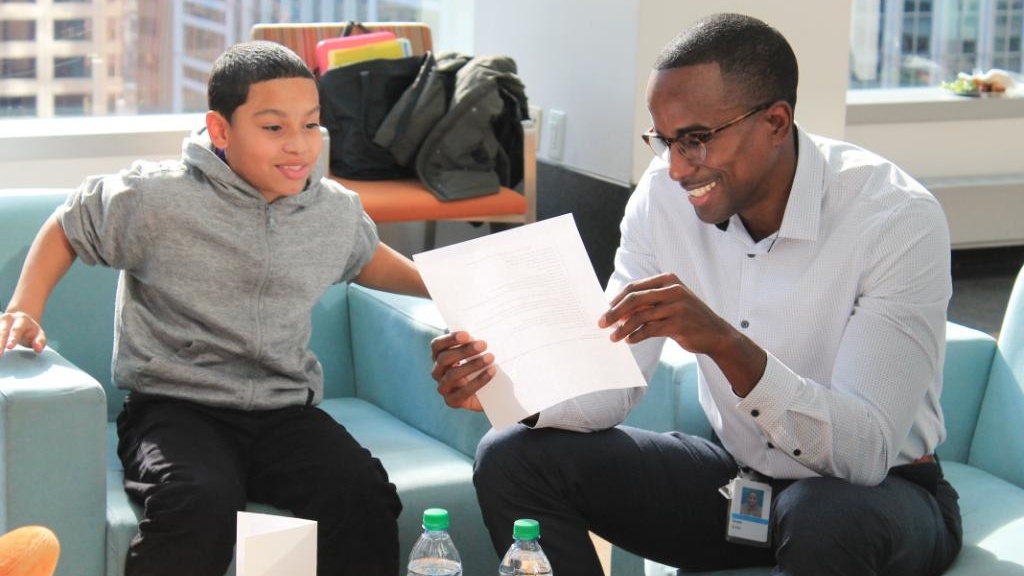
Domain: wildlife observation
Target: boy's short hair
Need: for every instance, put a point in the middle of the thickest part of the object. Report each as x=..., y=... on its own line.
x=750, y=53
x=245, y=64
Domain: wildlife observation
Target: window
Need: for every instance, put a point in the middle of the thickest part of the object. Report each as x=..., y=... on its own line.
x=18, y=68
x=937, y=39
x=155, y=57
x=72, y=67
x=70, y=104
x=17, y=31
x=77, y=29
x=18, y=105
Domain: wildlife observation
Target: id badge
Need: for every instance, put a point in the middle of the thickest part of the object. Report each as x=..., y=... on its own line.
x=750, y=507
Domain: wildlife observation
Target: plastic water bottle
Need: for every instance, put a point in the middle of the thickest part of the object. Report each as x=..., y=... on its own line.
x=434, y=553
x=525, y=557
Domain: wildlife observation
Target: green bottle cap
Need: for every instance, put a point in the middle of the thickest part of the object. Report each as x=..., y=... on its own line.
x=435, y=519
x=526, y=529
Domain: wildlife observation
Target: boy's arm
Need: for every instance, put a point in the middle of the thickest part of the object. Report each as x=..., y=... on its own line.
x=389, y=270
x=48, y=260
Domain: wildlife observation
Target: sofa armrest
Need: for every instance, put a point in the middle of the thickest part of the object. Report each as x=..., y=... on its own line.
x=52, y=454
x=969, y=357
x=391, y=337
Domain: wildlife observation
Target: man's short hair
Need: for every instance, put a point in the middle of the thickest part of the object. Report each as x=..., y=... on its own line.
x=245, y=64
x=752, y=55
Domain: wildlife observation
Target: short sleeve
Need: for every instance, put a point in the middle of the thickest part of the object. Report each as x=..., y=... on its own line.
x=104, y=222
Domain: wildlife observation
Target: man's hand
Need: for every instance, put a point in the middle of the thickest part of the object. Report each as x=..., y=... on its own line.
x=461, y=367
x=20, y=328
x=662, y=306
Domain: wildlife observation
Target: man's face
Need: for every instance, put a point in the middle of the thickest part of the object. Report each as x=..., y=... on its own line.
x=273, y=140
x=739, y=172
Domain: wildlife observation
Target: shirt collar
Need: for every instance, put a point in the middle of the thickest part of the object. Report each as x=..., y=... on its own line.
x=803, y=209
x=802, y=216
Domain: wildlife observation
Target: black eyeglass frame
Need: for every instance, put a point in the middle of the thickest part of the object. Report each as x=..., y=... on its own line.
x=661, y=145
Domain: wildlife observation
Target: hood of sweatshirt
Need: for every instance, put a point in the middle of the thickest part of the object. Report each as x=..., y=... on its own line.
x=198, y=153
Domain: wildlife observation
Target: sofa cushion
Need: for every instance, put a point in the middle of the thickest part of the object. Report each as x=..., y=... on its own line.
x=392, y=322
x=993, y=515
x=426, y=472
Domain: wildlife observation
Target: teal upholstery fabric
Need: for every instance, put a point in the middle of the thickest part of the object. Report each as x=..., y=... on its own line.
x=383, y=327
x=670, y=402
x=998, y=445
x=969, y=356
x=80, y=315
x=57, y=461
x=51, y=451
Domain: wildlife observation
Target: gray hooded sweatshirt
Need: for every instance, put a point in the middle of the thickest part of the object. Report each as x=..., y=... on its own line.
x=217, y=286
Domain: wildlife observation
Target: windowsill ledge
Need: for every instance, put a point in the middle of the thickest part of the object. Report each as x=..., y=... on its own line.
x=94, y=136
x=929, y=104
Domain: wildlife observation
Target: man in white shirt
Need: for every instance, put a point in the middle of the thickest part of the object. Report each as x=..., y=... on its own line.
x=811, y=278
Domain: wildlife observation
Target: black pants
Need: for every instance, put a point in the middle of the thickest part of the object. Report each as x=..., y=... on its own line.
x=193, y=467
x=656, y=495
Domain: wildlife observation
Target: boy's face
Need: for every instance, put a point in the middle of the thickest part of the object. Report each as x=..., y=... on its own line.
x=273, y=140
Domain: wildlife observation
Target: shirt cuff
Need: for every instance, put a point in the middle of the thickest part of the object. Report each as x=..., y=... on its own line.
x=768, y=403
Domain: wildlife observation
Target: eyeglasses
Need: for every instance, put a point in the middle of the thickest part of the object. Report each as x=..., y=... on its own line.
x=693, y=145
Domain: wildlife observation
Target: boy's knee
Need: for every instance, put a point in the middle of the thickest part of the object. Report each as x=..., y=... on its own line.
x=212, y=503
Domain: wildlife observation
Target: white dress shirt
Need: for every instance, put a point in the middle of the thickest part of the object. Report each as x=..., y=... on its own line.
x=848, y=299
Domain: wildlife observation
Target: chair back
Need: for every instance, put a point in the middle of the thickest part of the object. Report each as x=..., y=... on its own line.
x=302, y=38
x=999, y=438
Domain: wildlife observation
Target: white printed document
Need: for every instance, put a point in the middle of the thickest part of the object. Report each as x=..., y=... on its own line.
x=532, y=295
x=270, y=545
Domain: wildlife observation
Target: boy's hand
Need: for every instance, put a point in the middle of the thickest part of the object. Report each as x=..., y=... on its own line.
x=20, y=328
x=461, y=367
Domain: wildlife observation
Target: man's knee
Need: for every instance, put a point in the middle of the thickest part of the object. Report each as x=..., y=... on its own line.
x=494, y=453
x=820, y=522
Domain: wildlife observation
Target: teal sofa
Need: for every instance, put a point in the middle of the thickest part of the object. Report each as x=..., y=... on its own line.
x=983, y=455
x=57, y=462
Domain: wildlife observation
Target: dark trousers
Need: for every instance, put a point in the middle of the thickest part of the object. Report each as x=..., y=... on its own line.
x=656, y=495
x=192, y=468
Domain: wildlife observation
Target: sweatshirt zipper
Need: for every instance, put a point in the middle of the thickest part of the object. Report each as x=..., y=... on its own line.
x=268, y=229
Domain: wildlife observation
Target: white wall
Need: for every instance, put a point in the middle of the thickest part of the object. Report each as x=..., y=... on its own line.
x=591, y=59
x=577, y=56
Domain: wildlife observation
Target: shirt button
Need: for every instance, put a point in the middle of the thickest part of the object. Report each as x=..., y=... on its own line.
x=751, y=255
x=771, y=446
x=797, y=452
x=744, y=324
x=755, y=412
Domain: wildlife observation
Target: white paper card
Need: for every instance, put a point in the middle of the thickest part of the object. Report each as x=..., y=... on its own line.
x=532, y=295
x=270, y=545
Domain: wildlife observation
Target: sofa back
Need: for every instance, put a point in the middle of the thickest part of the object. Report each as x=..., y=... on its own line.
x=969, y=355
x=998, y=444
x=79, y=318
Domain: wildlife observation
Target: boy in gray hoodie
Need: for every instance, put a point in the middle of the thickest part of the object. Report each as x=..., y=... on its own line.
x=223, y=255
